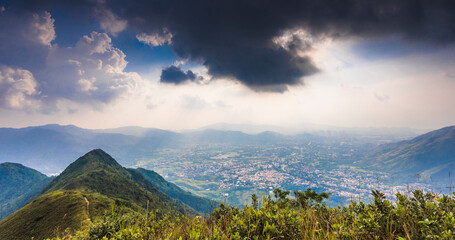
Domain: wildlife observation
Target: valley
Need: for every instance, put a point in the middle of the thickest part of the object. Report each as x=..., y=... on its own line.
x=229, y=166
x=232, y=174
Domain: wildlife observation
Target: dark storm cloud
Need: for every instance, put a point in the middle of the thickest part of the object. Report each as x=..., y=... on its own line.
x=175, y=75
x=234, y=38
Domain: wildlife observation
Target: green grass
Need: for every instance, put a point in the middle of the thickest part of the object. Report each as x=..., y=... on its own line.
x=99, y=173
x=48, y=215
x=103, y=182
x=418, y=216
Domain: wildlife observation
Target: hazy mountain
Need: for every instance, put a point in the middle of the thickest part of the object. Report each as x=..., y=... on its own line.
x=51, y=148
x=375, y=134
x=85, y=190
x=250, y=128
x=130, y=130
x=430, y=156
x=18, y=184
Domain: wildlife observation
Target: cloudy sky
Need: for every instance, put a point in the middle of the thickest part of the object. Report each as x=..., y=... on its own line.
x=182, y=64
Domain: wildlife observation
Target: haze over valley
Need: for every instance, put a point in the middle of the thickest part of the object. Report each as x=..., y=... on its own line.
x=229, y=166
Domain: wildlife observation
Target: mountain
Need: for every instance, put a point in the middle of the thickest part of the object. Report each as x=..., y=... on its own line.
x=50, y=148
x=18, y=184
x=322, y=130
x=98, y=172
x=51, y=214
x=81, y=193
x=430, y=156
x=200, y=204
x=250, y=128
x=130, y=130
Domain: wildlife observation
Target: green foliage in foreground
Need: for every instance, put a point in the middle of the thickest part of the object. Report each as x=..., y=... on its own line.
x=419, y=216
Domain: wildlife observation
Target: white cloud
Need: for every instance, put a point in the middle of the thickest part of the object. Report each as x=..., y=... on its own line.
x=25, y=39
x=17, y=88
x=155, y=39
x=92, y=71
x=110, y=22
x=42, y=28
x=381, y=97
x=193, y=102
x=95, y=43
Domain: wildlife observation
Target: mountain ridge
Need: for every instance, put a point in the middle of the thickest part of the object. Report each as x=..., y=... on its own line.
x=430, y=156
x=92, y=184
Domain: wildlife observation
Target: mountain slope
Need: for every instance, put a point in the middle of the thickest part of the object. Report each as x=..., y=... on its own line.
x=98, y=172
x=81, y=193
x=51, y=214
x=198, y=203
x=18, y=184
x=428, y=155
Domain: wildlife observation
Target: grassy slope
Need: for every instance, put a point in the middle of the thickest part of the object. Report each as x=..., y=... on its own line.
x=198, y=203
x=48, y=215
x=99, y=178
x=18, y=184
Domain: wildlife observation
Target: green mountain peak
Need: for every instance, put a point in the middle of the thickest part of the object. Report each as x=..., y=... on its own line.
x=93, y=178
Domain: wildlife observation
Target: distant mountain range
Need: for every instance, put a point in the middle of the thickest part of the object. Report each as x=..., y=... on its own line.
x=317, y=129
x=429, y=157
x=50, y=148
x=85, y=190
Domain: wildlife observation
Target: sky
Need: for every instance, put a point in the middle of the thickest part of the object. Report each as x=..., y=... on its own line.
x=184, y=64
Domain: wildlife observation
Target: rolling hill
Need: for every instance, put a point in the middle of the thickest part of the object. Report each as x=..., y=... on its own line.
x=81, y=193
x=430, y=156
x=18, y=184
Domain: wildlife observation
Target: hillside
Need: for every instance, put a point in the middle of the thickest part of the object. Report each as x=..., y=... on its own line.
x=95, y=178
x=98, y=172
x=18, y=184
x=198, y=203
x=430, y=156
x=50, y=214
